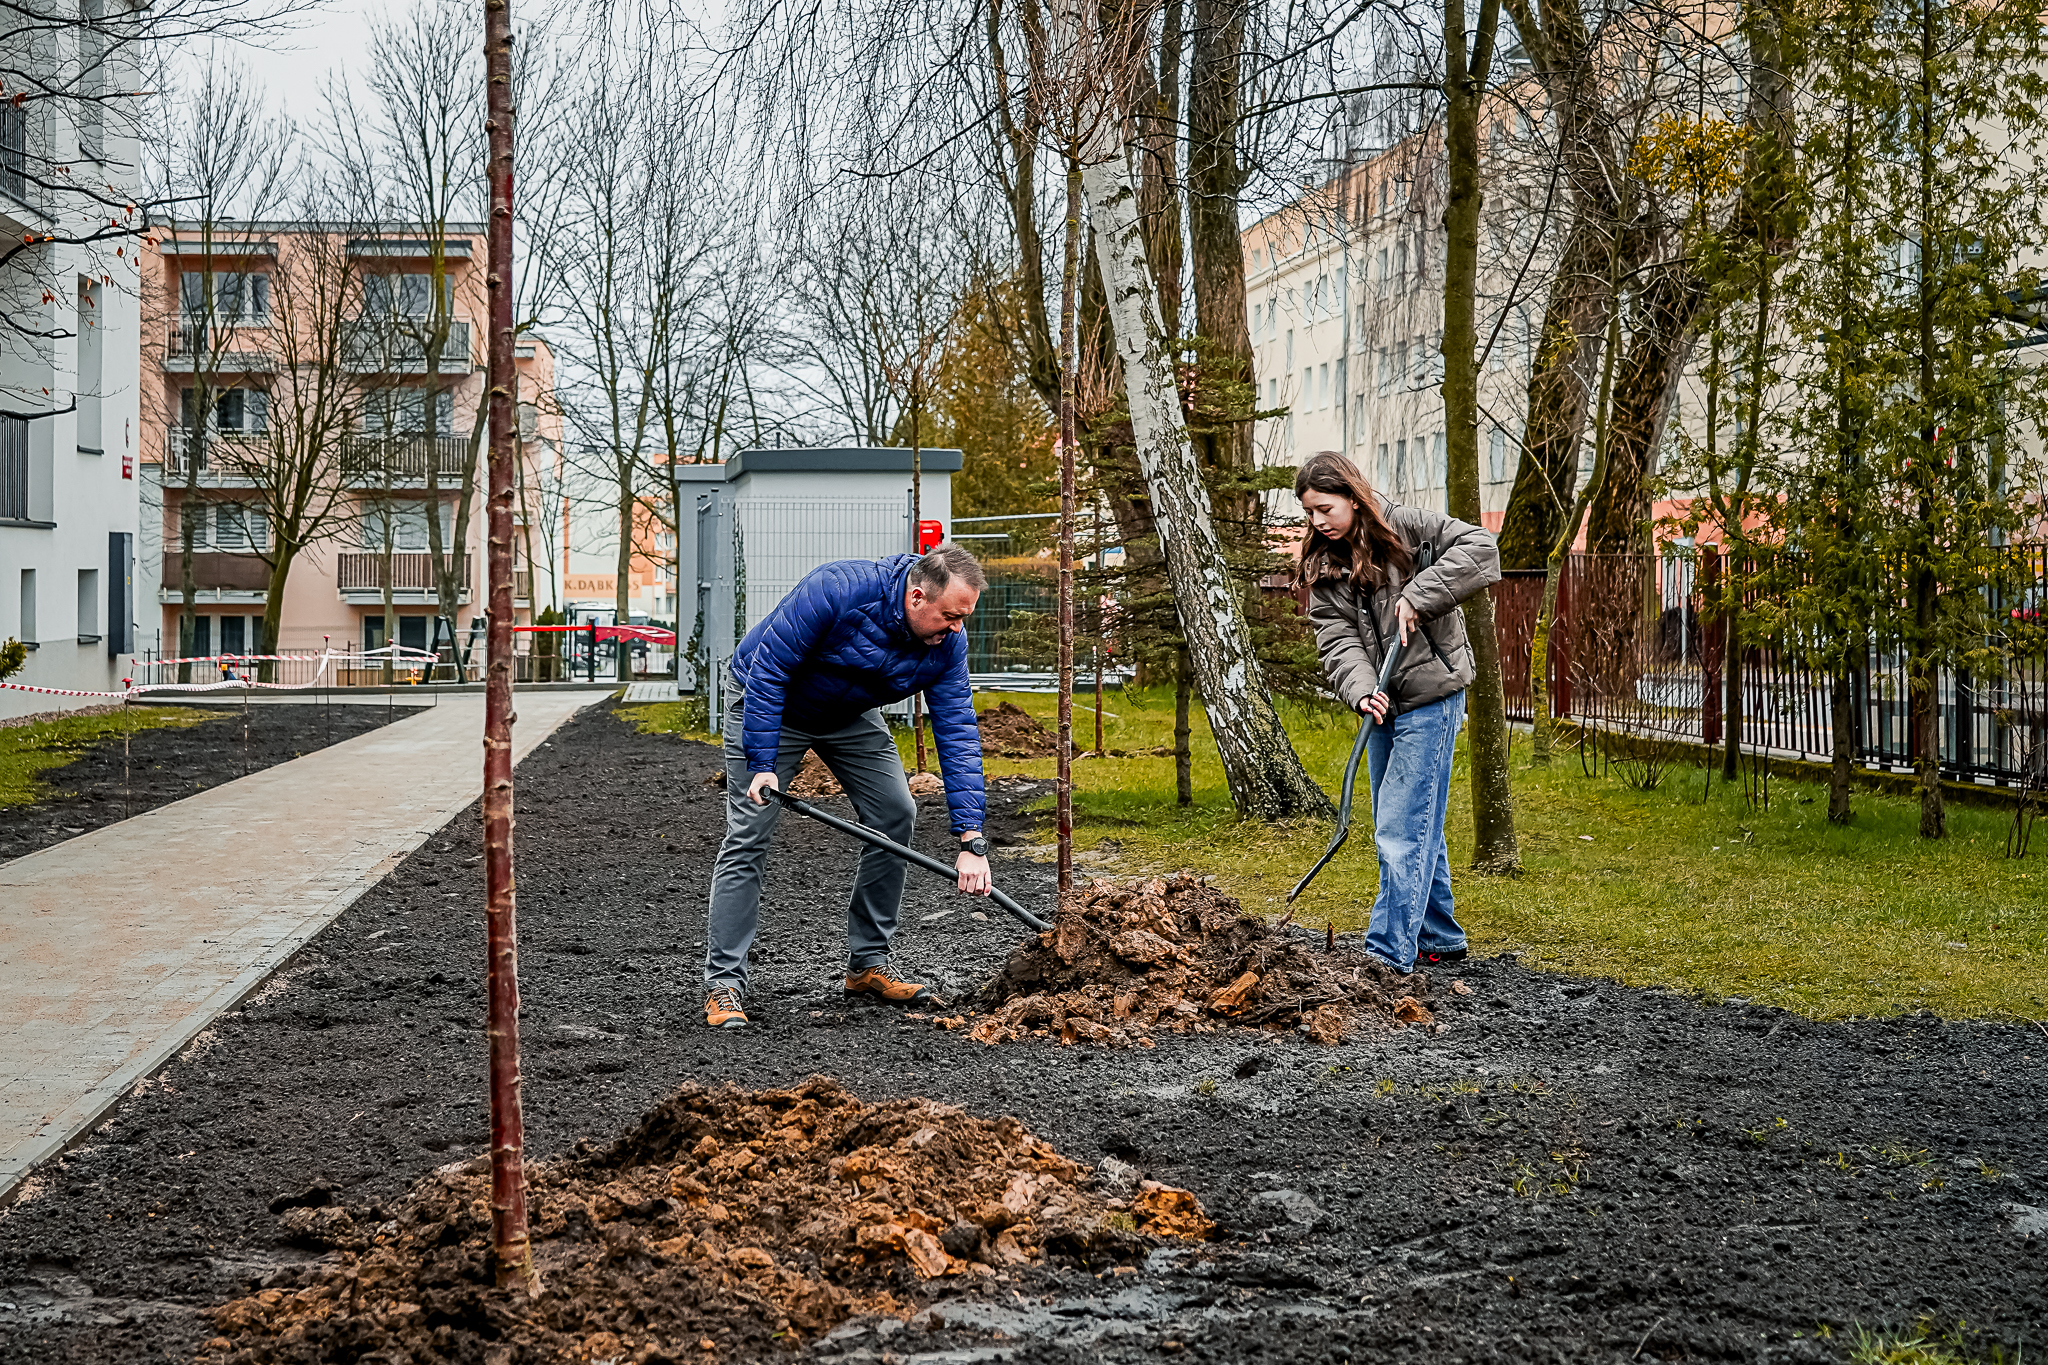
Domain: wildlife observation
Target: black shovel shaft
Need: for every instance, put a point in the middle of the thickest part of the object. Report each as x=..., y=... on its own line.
x=1387, y=667
x=908, y=855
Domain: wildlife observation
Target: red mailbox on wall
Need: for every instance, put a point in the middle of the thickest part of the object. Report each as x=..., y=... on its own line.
x=929, y=536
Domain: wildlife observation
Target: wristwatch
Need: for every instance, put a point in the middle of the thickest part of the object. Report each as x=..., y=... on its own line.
x=977, y=846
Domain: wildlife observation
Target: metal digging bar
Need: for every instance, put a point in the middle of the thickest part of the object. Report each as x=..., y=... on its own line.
x=1387, y=666
x=908, y=855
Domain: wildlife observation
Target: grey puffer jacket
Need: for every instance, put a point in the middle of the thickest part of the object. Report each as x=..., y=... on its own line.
x=1355, y=626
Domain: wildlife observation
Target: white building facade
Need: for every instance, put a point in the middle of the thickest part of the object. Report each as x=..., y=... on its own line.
x=1345, y=292
x=69, y=421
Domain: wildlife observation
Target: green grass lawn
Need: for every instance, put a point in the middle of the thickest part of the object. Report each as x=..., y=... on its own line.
x=1649, y=888
x=26, y=751
x=1644, y=887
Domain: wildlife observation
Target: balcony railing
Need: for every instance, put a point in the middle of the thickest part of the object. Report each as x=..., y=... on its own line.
x=222, y=455
x=410, y=573
x=189, y=345
x=393, y=345
x=402, y=460
x=214, y=569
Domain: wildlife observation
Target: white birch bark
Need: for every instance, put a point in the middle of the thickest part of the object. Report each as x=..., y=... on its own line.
x=1266, y=777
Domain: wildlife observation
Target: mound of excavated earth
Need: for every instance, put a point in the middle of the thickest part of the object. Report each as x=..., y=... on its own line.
x=1009, y=731
x=1126, y=959
x=727, y=1221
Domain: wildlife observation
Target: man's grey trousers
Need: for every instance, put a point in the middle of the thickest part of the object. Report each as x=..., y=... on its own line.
x=864, y=759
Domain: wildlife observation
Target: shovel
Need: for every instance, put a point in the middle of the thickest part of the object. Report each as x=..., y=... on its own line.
x=1386, y=679
x=911, y=855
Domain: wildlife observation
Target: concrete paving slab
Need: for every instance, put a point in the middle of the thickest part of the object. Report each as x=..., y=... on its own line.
x=119, y=946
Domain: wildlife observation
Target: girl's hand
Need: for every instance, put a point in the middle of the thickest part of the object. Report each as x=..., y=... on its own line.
x=1405, y=614
x=1376, y=707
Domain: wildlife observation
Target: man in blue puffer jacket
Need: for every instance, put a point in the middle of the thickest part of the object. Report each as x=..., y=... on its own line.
x=853, y=636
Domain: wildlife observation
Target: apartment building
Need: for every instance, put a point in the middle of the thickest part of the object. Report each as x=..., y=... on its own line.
x=1345, y=291
x=302, y=381
x=68, y=387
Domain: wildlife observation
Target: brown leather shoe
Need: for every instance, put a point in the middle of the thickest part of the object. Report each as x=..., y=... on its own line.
x=722, y=1008
x=877, y=982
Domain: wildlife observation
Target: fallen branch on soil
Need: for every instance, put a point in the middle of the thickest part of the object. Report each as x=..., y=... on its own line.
x=745, y=1222
x=1174, y=954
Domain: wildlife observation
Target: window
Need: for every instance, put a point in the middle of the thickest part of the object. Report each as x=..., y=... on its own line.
x=1290, y=348
x=1380, y=268
x=1401, y=466
x=244, y=411
x=1386, y=372
x=88, y=606
x=92, y=81
x=404, y=412
x=412, y=632
x=14, y=470
x=1308, y=387
x=1323, y=388
x=26, y=623
x=230, y=527
x=14, y=150
x=1401, y=261
x=234, y=639
x=1380, y=467
x=408, y=526
x=405, y=295
x=1497, y=455
x=1401, y=363
x=202, y=637
x=90, y=369
x=1273, y=393
x=1357, y=417
x=238, y=296
x=1439, y=462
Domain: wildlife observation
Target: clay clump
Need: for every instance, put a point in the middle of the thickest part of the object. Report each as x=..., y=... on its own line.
x=745, y=1223
x=1009, y=731
x=1126, y=960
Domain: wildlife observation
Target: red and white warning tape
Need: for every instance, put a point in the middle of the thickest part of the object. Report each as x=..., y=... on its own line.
x=58, y=691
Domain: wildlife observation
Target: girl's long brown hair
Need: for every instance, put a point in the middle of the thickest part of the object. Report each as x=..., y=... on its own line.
x=1372, y=546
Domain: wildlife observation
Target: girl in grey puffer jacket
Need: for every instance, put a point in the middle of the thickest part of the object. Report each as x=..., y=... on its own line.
x=1358, y=560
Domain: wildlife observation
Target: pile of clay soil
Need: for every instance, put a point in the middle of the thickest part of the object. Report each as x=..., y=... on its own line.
x=1009, y=731
x=741, y=1223
x=1174, y=954
x=814, y=780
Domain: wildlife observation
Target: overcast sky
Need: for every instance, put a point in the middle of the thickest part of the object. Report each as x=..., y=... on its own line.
x=294, y=66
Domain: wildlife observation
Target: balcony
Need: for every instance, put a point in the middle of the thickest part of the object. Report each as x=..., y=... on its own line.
x=217, y=577
x=360, y=580
x=403, y=461
x=392, y=345
x=195, y=345
x=225, y=457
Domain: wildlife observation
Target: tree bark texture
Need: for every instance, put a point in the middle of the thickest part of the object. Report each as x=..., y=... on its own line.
x=1265, y=775
x=510, y=1245
x=1560, y=391
x=1070, y=355
x=1494, y=849
x=1215, y=240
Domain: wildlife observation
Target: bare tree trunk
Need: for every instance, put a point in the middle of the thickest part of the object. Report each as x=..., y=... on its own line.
x=1216, y=241
x=510, y=1245
x=1546, y=476
x=1070, y=269
x=1265, y=775
x=1183, y=756
x=1841, y=750
x=1494, y=849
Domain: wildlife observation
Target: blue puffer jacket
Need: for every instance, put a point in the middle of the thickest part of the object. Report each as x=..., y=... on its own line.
x=839, y=645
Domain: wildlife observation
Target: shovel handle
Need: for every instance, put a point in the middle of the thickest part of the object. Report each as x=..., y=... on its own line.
x=908, y=855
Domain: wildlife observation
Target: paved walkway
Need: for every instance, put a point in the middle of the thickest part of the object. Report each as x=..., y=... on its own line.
x=118, y=946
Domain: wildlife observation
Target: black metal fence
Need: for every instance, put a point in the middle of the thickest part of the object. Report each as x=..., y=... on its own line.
x=1640, y=648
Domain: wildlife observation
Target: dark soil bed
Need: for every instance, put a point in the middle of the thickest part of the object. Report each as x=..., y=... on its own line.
x=1569, y=1170
x=103, y=786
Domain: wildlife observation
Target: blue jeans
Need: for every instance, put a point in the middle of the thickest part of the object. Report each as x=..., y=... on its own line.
x=1410, y=762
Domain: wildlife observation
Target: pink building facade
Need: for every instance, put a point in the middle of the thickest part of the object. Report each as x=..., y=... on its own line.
x=308, y=374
